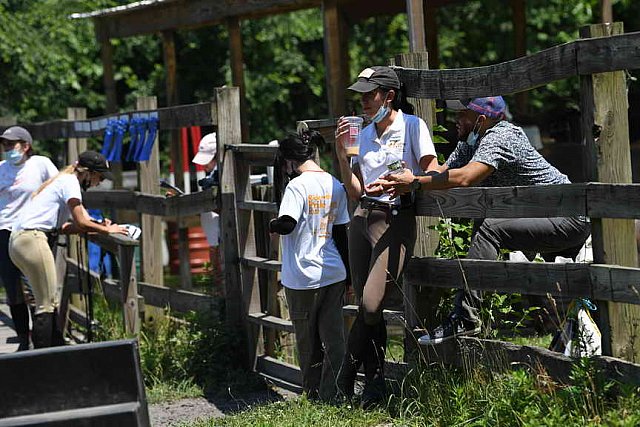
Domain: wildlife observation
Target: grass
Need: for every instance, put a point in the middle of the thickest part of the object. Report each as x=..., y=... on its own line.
x=433, y=396
x=298, y=413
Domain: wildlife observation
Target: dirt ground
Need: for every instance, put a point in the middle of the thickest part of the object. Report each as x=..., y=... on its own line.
x=172, y=413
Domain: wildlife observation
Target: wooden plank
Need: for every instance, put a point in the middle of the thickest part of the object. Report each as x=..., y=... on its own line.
x=108, y=73
x=557, y=63
x=263, y=263
x=605, y=131
x=268, y=321
x=250, y=205
x=190, y=14
x=254, y=148
x=613, y=200
x=504, y=202
x=148, y=179
x=392, y=316
x=177, y=206
x=471, y=353
x=573, y=280
x=275, y=368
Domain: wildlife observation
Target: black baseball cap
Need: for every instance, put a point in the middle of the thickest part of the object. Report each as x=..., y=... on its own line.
x=374, y=77
x=95, y=162
x=17, y=133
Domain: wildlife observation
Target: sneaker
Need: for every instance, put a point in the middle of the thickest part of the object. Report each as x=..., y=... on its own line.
x=452, y=327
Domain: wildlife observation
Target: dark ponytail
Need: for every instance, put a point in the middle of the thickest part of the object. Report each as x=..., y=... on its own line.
x=400, y=101
x=298, y=147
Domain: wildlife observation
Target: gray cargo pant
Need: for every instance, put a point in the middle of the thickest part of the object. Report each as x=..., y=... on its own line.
x=564, y=236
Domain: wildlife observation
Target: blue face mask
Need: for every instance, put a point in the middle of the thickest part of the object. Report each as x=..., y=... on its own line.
x=381, y=113
x=13, y=156
x=472, y=138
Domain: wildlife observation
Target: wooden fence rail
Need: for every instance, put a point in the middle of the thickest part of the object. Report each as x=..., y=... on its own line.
x=579, y=57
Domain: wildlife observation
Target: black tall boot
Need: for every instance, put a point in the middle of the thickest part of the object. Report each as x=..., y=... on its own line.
x=375, y=390
x=43, y=327
x=352, y=358
x=20, y=316
x=57, y=337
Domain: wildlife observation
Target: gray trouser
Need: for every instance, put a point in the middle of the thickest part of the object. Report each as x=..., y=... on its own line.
x=318, y=323
x=544, y=235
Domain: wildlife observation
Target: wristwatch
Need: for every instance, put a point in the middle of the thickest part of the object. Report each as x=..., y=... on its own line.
x=415, y=185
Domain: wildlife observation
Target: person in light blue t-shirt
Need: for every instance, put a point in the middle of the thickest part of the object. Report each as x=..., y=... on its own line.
x=312, y=220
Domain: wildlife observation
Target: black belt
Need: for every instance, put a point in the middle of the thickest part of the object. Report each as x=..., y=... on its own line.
x=369, y=203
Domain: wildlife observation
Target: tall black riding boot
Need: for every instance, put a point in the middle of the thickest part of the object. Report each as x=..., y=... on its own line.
x=57, y=338
x=20, y=316
x=43, y=326
x=352, y=358
x=375, y=390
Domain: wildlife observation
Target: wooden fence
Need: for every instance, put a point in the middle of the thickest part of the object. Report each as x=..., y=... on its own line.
x=250, y=297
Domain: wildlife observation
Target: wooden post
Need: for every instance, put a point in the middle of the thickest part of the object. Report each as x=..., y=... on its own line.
x=148, y=180
x=170, y=63
x=419, y=306
x=237, y=70
x=520, y=44
x=238, y=240
x=336, y=57
x=129, y=289
x=605, y=133
x=431, y=34
x=75, y=146
x=415, y=16
x=606, y=11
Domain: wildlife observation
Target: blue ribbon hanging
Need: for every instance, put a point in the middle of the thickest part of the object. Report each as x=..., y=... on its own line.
x=108, y=137
x=142, y=132
x=151, y=137
x=133, y=138
x=116, y=152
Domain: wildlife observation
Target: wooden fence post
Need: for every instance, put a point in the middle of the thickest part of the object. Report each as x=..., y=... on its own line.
x=605, y=131
x=421, y=306
x=129, y=289
x=238, y=238
x=75, y=146
x=148, y=180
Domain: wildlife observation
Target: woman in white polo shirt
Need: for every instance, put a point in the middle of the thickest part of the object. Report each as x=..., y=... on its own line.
x=21, y=173
x=312, y=218
x=46, y=214
x=383, y=230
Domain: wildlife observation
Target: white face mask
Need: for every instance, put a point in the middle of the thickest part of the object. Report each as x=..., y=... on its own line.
x=472, y=138
x=382, y=112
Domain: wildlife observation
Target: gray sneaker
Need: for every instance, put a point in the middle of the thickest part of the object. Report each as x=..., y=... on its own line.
x=452, y=327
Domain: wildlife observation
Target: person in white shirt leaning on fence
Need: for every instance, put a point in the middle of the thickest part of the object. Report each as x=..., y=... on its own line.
x=43, y=218
x=312, y=220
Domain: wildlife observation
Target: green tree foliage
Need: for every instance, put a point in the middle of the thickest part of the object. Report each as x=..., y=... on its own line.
x=49, y=62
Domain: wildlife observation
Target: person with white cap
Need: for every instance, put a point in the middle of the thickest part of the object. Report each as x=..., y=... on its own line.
x=45, y=216
x=210, y=221
x=21, y=173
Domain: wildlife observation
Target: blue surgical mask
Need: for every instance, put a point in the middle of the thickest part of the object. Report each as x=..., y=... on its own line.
x=472, y=138
x=12, y=156
x=381, y=113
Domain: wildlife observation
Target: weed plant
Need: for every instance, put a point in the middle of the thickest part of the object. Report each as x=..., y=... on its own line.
x=181, y=356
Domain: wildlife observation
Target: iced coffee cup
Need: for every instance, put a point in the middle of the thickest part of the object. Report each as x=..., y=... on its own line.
x=355, y=126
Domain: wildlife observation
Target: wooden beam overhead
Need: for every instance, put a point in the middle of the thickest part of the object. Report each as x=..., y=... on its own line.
x=184, y=14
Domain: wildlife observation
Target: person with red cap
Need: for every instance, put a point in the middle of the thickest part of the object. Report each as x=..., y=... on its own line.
x=41, y=220
x=21, y=173
x=493, y=152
